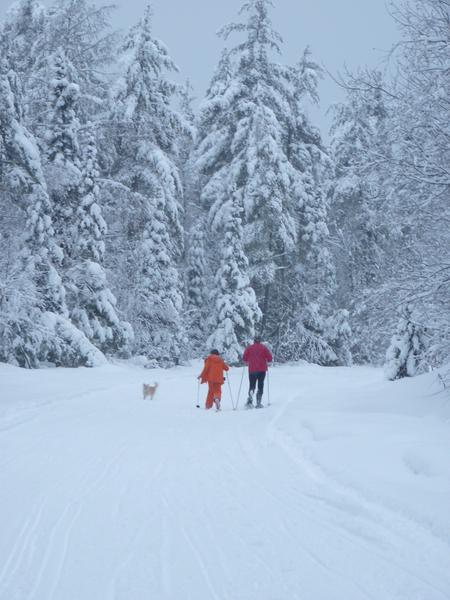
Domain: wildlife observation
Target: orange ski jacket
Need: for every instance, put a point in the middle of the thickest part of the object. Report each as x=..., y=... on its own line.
x=213, y=371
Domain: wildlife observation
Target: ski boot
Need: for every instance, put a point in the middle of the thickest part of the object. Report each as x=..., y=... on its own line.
x=217, y=403
x=249, y=403
x=258, y=401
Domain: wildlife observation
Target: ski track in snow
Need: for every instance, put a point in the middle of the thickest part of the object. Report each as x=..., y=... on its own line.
x=107, y=497
x=390, y=525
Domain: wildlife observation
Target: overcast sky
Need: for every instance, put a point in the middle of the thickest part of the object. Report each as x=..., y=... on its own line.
x=354, y=32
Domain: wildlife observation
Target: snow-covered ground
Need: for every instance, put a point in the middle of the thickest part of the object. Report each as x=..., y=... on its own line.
x=340, y=490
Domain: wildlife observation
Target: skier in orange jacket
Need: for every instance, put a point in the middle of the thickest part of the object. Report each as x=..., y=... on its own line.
x=213, y=375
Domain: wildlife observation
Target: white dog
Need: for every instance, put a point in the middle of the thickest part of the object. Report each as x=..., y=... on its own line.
x=149, y=390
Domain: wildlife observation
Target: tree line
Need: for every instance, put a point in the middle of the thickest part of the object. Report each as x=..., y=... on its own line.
x=134, y=220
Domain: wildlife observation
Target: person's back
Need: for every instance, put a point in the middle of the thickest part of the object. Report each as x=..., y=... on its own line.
x=213, y=371
x=257, y=356
x=213, y=375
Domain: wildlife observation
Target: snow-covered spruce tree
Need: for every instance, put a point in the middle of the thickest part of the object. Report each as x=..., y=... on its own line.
x=404, y=355
x=187, y=98
x=195, y=271
x=420, y=130
x=305, y=338
x=254, y=134
x=78, y=223
x=363, y=226
x=259, y=165
x=63, y=124
x=83, y=29
x=33, y=34
x=27, y=279
x=94, y=306
x=62, y=167
x=306, y=290
x=186, y=143
x=145, y=131
x=212, y=152
x=63, y=176
x=236, y=310
x=196, y=296
x=20, y=33
x=33, y=321
x=184, y=159
x=157, y=301
x=240, y=145
x=339, y=336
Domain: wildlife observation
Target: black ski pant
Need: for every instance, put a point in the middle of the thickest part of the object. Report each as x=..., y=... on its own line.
x=257, y=377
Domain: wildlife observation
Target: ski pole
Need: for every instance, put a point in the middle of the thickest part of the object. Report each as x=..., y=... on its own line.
x=268, y=387
x=231, y=394
x=198, y=394
x=240, y=387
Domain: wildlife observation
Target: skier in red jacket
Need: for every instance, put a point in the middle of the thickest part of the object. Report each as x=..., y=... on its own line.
x=256, y=356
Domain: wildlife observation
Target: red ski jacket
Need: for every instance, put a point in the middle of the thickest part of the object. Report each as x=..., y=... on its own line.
x=257, y=356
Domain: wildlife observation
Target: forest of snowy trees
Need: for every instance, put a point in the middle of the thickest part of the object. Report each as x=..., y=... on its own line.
x=135, y=220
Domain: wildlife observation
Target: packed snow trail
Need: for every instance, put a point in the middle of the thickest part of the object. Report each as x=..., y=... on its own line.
x=339, y=490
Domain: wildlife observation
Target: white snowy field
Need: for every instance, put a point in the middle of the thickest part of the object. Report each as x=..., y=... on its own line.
x=340, y=490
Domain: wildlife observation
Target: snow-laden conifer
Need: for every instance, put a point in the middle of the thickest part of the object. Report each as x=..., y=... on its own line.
x=156, y=309
x=33, y=321
x=62, y=170
x=405, y=353
x=196, y=300
x=258, y=165
x=339, y=336
x=22, y=174
x=145, y=130
x=235, y=311
x=305, y=287
x=186, y=143
x=419, y=165
x=30, y=284
x=22, y=32
x=212, y=154
x=62, y=167
x=94, y=305
x=33, y=33
x=83, y=29
x=146, y=126
x=357, y=196
x=254, y=134
x=63, y=126
x=196, y=273
x=364, y=228
x=302, y=335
